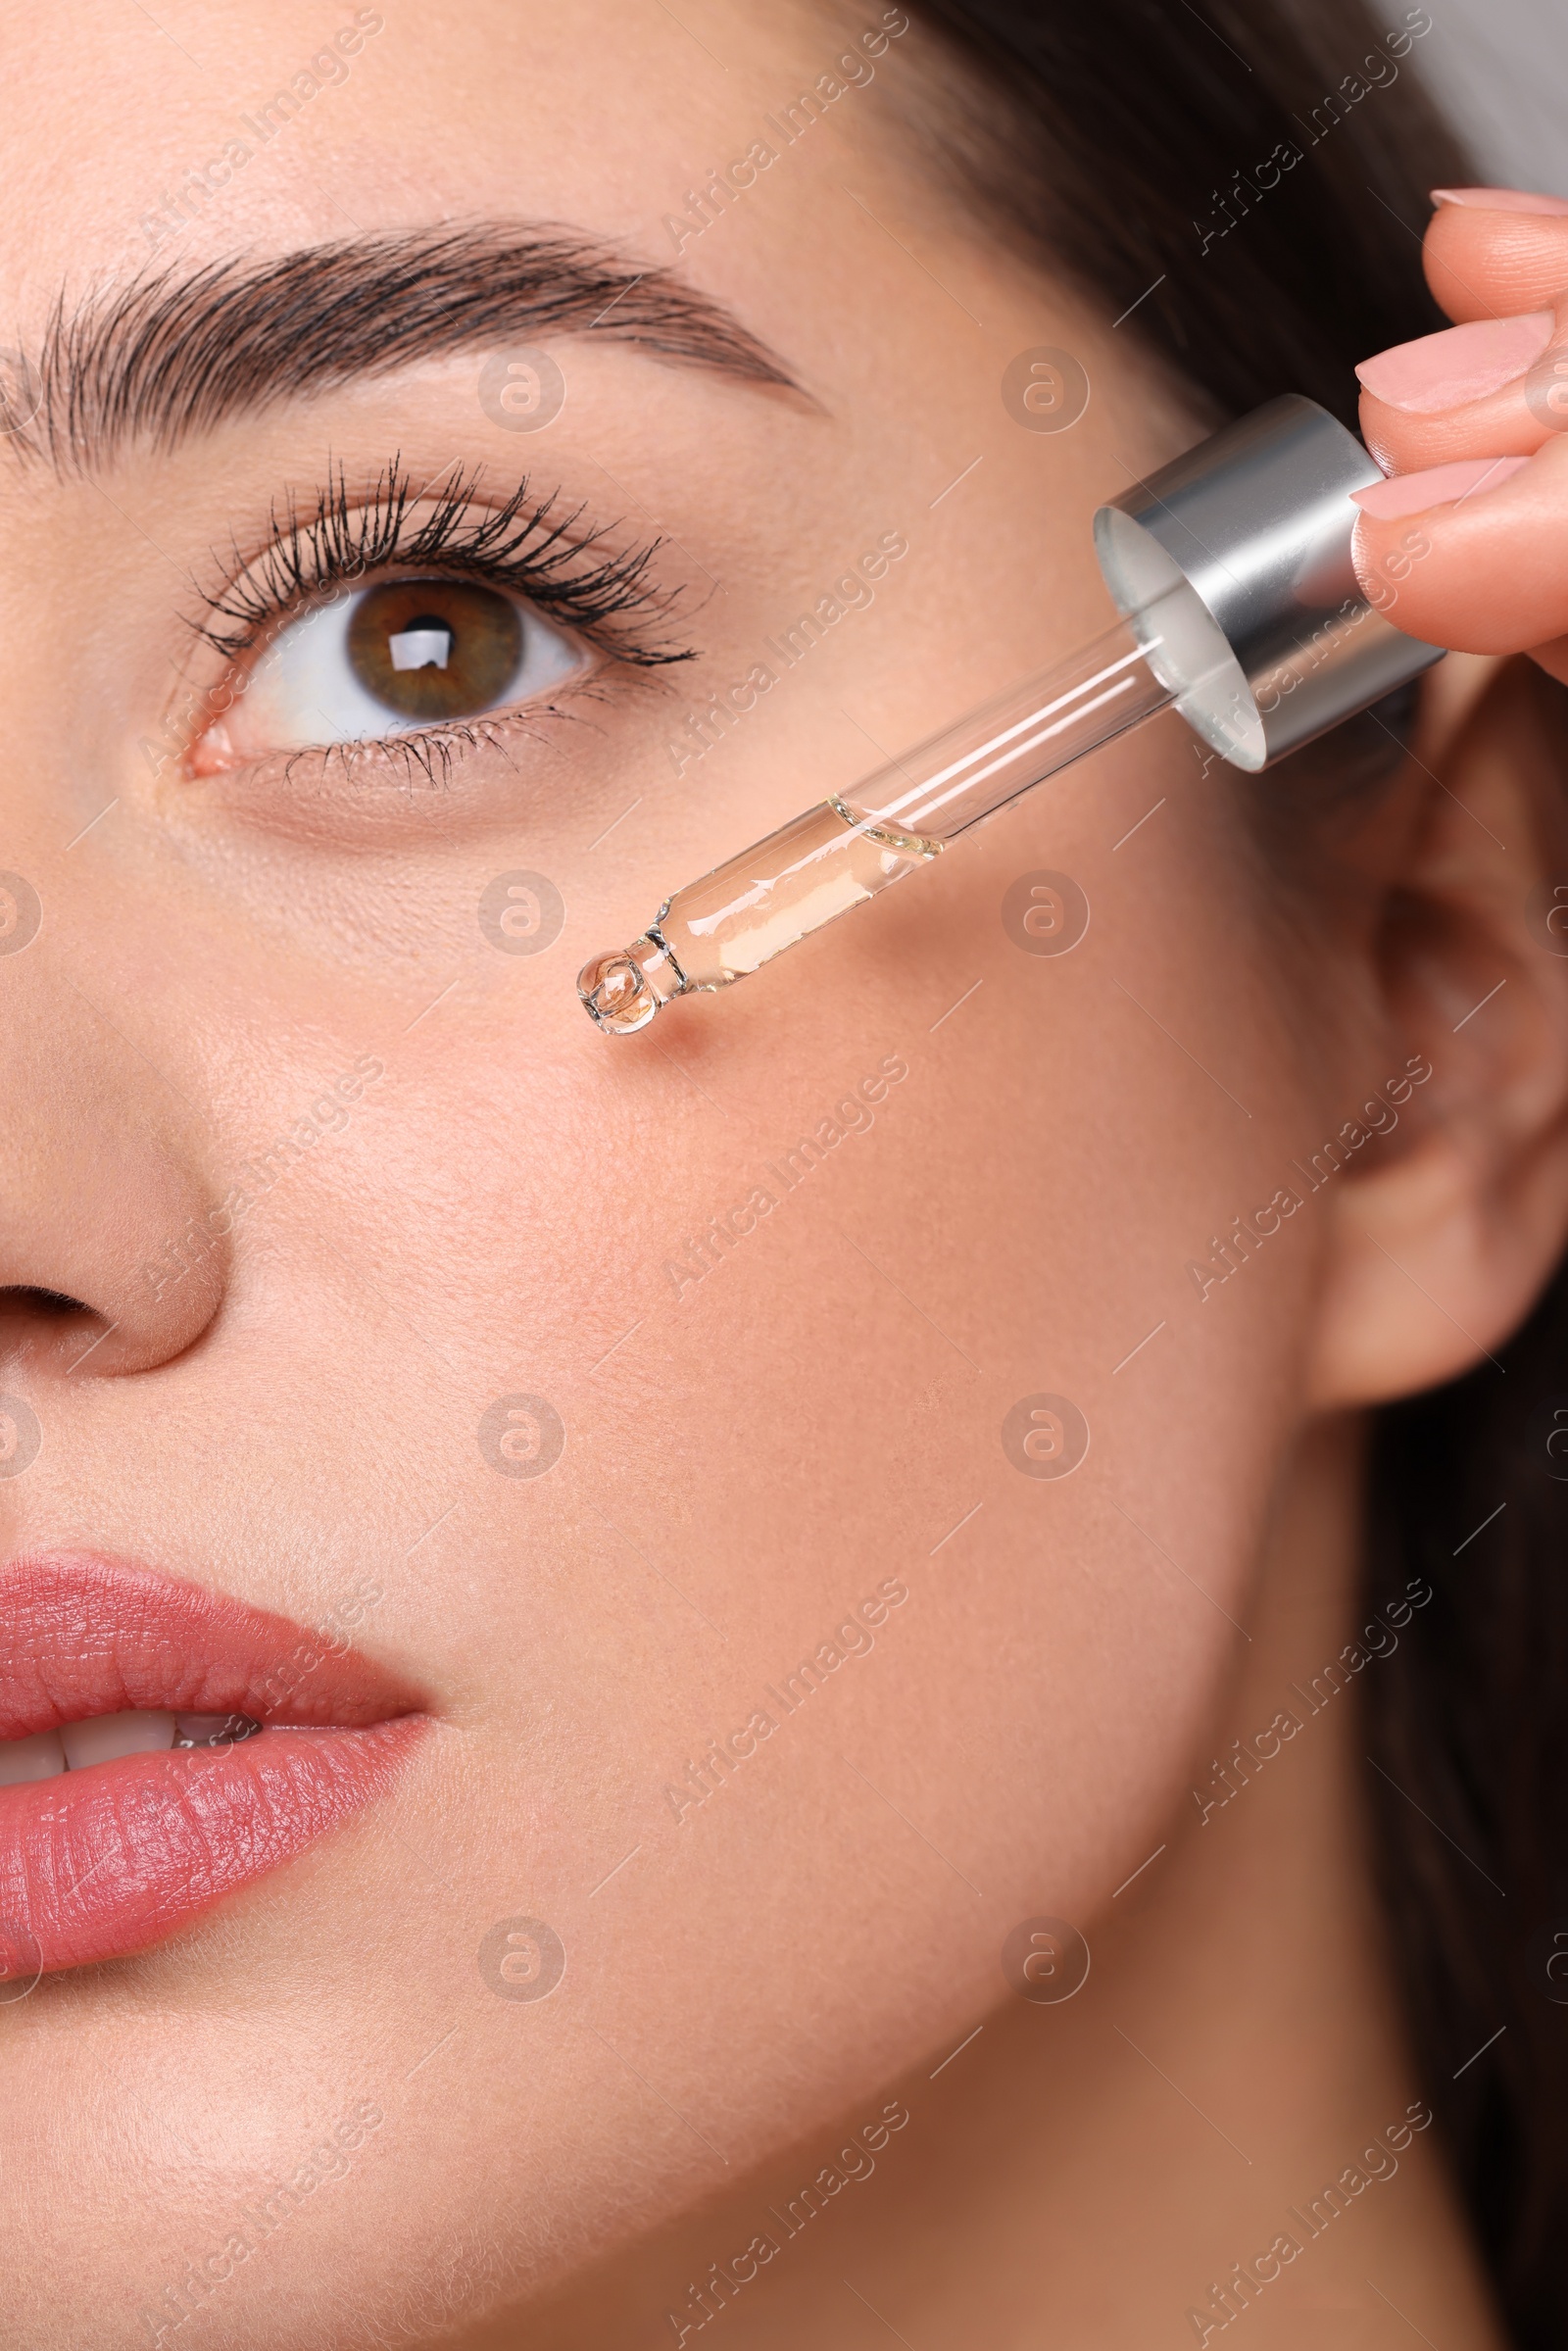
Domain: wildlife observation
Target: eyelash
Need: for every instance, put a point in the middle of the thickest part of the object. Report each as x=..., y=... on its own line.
x=524, y=546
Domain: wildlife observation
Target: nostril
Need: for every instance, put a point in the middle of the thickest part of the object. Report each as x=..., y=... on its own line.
x=38, y=1324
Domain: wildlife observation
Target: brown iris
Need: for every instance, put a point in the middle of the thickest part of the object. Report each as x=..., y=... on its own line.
x=432, y=649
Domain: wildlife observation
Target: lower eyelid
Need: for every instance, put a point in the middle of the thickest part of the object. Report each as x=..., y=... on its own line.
x=560, y=723
x=310, y=786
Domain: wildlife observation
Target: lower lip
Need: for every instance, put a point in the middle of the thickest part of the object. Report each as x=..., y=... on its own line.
x=100, y=1863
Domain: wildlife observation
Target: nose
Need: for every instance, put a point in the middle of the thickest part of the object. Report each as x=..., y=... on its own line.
x=111, y=1256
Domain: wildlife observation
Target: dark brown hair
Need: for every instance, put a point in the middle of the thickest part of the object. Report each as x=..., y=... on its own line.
x=1255, y=181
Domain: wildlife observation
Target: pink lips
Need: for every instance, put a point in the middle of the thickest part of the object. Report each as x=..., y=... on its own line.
x=100, y=1862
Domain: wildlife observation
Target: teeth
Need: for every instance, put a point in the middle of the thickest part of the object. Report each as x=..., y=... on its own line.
x=104, y=1737
x=37, y=1758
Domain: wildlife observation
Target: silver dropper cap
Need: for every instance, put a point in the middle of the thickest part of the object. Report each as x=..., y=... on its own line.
x=1273, y=641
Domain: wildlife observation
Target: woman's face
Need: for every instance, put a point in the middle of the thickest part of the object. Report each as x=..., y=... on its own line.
x=615, y=1399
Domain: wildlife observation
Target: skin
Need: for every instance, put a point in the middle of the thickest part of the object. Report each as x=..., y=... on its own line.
x=749, y=1457
x=1492, y=583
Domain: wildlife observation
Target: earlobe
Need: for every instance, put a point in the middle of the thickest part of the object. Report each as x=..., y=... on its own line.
x=1442, y=1236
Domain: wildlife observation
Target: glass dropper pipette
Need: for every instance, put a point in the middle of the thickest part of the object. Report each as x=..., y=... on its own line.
x=845, y=850
x=1240, y=608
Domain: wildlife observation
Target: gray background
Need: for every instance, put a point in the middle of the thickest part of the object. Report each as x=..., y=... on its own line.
x=1500, y=67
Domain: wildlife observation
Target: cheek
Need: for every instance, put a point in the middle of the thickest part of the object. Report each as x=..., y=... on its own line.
x=749, y=1430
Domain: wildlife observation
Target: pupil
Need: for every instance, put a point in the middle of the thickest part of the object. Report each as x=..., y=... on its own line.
x=432, y=649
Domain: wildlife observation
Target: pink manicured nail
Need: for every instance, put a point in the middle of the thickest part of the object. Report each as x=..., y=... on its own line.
x=1459, y=364
x=1436, y=485
x=1499, y=200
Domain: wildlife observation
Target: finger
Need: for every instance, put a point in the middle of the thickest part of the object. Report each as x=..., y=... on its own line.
x=1487, y=258
x=1490, y=388
x=1471, y=557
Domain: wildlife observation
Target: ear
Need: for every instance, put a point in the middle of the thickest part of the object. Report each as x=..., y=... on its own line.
x=1441, y=1239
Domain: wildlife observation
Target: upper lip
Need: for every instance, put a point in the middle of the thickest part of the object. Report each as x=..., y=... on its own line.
x=82, y=1636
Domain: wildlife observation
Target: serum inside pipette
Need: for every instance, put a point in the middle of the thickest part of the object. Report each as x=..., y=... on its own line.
x=739, y=917
x=844, y=851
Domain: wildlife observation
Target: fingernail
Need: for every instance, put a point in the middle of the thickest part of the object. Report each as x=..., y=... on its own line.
x=1499, y=200
x=1436, y=485
x=1458, y=364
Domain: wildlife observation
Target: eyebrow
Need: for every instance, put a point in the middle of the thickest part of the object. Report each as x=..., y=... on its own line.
x=170, y=356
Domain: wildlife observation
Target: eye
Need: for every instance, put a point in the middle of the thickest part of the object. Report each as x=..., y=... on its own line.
x=408, y=653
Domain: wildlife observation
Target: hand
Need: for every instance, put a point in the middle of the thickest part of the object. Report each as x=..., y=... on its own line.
x=1467, y=544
